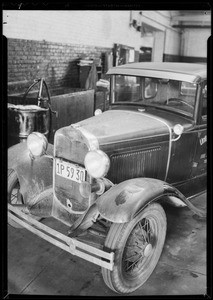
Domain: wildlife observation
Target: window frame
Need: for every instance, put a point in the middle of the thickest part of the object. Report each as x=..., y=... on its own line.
x=202, y=119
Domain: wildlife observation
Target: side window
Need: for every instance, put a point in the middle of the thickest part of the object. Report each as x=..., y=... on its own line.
x=204, y=105
x=150, y=88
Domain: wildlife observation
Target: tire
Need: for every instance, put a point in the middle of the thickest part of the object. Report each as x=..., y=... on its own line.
x=13, y=194
x=138, y=245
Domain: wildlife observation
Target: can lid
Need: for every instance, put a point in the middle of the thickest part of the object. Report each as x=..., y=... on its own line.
x=25, y=107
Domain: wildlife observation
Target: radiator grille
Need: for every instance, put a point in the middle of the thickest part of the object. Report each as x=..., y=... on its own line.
x=142, y=163
x=70, y=149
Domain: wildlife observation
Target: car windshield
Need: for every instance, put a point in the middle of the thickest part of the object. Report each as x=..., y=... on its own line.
x=168, y=94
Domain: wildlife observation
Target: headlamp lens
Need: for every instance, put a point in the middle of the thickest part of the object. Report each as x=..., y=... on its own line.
x=97, y=163
x=37, y=144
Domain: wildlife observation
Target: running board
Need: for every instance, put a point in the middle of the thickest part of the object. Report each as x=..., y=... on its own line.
x=71, y=245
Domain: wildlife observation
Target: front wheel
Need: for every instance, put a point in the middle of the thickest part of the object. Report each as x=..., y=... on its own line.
x=138, y=246
x=14, y=196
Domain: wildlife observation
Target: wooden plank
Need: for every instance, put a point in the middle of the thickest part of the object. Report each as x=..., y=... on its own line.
x=73, y=107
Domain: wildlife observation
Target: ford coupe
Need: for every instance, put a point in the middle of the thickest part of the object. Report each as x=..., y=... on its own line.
x=107, y=178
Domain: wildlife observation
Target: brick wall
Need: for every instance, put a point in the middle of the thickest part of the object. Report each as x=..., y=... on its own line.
x=56, y=62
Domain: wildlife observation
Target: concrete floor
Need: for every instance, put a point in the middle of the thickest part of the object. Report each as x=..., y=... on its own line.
x=39, y=268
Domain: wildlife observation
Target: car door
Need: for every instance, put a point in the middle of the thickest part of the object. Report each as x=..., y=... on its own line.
x=182, y=156
x=188, y=154
x=200, y=155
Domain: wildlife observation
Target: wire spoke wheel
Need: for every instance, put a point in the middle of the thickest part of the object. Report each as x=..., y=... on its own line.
x=138, y=246
x=14, y=196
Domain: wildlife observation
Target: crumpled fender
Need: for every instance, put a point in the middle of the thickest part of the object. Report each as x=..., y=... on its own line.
x=34, y=175
x=124, y=201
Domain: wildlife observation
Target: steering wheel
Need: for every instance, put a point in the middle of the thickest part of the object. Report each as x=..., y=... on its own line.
x=179, y=100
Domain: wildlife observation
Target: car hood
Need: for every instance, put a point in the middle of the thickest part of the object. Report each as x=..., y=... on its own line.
x=119, y=125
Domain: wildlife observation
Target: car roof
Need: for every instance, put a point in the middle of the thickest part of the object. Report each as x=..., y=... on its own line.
x=189, y=72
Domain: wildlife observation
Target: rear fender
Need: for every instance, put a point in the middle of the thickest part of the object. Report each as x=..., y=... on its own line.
x=35, y=175
x=124, y=201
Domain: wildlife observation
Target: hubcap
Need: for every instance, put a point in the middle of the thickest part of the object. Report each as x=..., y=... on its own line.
x=147, y=250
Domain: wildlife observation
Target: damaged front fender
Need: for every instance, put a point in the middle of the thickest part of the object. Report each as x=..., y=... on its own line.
x=34, y=176
x=124, y=201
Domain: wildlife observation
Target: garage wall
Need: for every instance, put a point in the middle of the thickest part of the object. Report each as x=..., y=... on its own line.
x=172, y=46
x=160, y=23
x=49, y=43
x=56, y=62
x=96, y=28
x=194, y=44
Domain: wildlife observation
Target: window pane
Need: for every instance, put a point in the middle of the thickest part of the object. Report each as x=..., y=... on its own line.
x=127, y=88
x=150, y=88
x=172, y=95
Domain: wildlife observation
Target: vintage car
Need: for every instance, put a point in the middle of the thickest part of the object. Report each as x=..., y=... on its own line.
x=109, y=177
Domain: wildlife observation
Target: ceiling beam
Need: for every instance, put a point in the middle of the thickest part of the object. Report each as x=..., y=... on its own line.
x=194, y=18
x=191, y=26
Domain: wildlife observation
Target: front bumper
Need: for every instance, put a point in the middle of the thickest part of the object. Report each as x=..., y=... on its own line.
x=71, y=245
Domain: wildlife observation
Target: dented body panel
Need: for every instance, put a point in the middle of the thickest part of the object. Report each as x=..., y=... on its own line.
x=35, y=176
x=124, y=201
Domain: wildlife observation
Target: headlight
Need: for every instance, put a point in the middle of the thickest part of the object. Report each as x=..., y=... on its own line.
x=97, y=163
x=37, y=144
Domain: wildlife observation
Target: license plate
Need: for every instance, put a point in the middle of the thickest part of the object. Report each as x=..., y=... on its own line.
x=70, y=171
